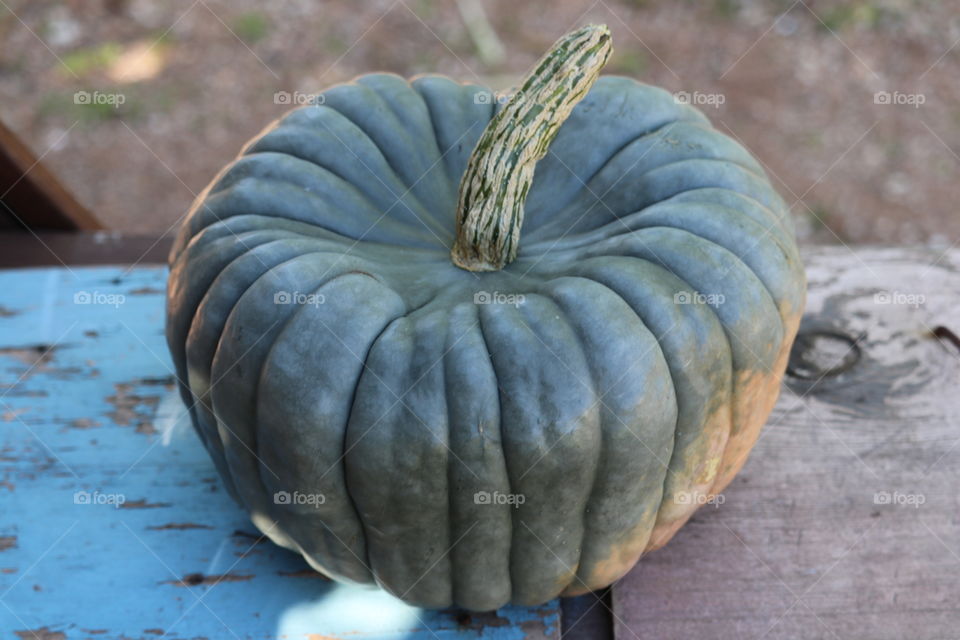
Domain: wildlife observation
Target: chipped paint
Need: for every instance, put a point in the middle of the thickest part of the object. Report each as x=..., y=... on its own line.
x=197, y=579
x=38, y=359
x=146, y=291
x=43, y=633
x=179, y=527
x=83, y=423
x=10, y=416
x=143, y=504
x=37, y=355
x=133, y=408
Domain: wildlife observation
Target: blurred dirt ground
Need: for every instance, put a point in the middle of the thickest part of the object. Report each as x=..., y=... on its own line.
x=803, y=84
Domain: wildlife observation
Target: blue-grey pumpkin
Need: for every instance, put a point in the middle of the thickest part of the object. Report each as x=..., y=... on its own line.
x=475, y=438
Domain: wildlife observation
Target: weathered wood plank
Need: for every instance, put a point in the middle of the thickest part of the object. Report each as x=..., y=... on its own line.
x=56, y=249
x=112, y=522
x=845, y=522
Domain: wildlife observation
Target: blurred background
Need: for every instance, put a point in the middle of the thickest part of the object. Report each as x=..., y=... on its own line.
x=853, y=106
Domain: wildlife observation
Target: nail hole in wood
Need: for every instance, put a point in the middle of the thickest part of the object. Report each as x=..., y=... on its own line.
x=822, y=353
x=942, y=333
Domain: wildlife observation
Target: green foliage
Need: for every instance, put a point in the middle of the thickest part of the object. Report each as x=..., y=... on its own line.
x=845, y=16
x=84, y=61
x=426, y=9
x=251, y=27
x=631, y=62
x=726, y=9
x=63, y=106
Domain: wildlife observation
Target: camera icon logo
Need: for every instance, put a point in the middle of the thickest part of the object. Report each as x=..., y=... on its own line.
x=82, y=297
x=882, y=97
x=282, y=297
x=81, y=497
x=482, y=497
x=482, y=297
x=281, y=497
x=483, y=97
x=81, y=97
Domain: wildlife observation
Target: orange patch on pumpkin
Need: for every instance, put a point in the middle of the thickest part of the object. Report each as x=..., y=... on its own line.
x=756, y=394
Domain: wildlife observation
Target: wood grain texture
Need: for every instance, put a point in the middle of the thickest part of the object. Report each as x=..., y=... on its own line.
x=113, y=523
x=845, y=522
x=30, y=195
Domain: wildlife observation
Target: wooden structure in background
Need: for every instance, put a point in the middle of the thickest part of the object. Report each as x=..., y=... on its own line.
x=60, y=248
x=31, y=197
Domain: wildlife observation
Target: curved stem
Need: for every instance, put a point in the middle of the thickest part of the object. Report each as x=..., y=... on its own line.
x=500, y=170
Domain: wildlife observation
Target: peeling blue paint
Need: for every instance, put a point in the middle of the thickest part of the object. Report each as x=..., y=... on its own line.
x=108, y=501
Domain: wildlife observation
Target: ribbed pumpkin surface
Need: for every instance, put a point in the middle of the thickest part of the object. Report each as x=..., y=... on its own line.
x=612, y=377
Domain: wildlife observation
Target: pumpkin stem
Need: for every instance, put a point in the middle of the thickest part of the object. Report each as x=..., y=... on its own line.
x=500, y=169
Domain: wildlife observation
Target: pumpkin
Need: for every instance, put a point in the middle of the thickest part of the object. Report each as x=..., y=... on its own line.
x=521, y=418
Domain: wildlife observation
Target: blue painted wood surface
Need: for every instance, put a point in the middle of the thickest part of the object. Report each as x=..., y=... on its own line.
x=113, y=523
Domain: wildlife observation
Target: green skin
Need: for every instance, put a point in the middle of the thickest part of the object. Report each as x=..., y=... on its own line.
x=600, y=400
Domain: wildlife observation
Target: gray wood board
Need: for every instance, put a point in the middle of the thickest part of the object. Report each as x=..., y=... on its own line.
x=845, y=521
